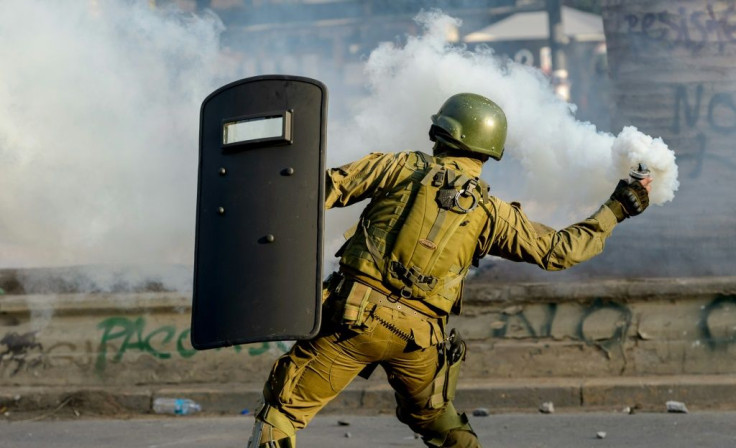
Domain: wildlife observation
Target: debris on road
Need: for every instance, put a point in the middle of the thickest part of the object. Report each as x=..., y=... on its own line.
x=481, y=412
x=512, y=310
x=547, y=407
x=676, y=406
x=601, y=434
x=343, y=423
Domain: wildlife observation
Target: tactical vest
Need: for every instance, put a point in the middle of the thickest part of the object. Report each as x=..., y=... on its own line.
x=418, y=237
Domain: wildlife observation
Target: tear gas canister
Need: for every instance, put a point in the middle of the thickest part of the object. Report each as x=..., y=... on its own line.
x=641, y=172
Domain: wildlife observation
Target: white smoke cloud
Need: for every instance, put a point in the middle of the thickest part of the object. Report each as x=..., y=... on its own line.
x=562, y=168
x=99, y=107
x=632, y=147
x=99, y=112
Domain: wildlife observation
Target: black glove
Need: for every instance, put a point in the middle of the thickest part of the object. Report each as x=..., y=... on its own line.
x=628, y=199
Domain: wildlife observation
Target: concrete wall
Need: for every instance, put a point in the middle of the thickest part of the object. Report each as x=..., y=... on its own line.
x=602, y=329
x=672, y=65
x=594, y=329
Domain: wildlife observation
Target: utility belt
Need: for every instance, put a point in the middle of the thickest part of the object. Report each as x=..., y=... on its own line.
x=358, y=296
x=357, y=301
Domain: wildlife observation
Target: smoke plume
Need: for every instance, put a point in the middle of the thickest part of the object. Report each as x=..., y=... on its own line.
x=99, y=106
x=560, y=167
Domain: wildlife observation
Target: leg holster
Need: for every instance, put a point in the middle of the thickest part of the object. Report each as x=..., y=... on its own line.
x=452, y=355
x=437, y=398
x=272, y=429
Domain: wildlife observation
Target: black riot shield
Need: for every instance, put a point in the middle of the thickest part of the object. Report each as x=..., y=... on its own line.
x=260, y=209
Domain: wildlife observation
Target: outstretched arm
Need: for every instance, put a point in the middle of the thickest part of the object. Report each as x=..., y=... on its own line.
x=519, y=239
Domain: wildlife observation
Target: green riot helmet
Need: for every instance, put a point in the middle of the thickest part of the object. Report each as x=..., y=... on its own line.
x=470, y=122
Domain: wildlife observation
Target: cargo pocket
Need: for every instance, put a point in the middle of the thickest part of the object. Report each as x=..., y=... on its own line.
x=437, y=396
x=453, y=372
x=287, y=373
x=444, y=385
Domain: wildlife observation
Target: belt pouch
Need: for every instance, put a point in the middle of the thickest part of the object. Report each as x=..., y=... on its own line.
x=355, y=303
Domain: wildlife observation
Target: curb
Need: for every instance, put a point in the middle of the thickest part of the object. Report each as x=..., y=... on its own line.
x=702, y=392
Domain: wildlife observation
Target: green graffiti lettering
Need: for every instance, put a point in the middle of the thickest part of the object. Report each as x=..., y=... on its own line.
x=108, y=334
x=255, y=351
x=130, y=335
x=184, y=352
x=169, y=332
x=137, y=330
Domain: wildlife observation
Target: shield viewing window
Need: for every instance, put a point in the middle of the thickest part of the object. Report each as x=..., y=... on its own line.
x=271, y=128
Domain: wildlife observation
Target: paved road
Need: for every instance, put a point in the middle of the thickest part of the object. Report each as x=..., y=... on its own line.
x=703, y=430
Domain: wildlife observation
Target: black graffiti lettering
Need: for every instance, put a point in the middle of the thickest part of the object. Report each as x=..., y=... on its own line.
x=692, y=113
x=631, y=20
x=683, y=34
x=669, y=20
x=647, y=22
x=721, y=26
x=722, y=113
x=621, y=325
x=701, y=140
x=721, y=116
x=716, y=341
x=545, y=329
x=18, y=348
x=507, y=320
x=686, y=29
x=695, y=19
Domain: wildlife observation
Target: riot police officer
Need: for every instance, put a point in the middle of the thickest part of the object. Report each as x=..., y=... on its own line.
x=402, y=270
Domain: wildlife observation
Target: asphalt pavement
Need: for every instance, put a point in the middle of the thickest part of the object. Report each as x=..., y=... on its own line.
x=576, y=430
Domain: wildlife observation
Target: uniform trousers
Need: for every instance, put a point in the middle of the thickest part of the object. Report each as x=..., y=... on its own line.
x=315, y=371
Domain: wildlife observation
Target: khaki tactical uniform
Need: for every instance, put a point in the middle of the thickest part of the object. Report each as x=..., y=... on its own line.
x=401, y=274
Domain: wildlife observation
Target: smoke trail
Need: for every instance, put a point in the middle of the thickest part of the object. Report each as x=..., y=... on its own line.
x=566, y=167
x=98, y=130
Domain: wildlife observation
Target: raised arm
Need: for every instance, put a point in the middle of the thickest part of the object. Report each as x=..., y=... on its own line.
x=361, y=179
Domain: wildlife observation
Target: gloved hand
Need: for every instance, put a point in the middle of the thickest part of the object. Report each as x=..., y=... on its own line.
x=628, y=199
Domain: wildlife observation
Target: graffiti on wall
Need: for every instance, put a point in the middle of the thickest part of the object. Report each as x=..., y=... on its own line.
x=161, y=342
x=717, y=323
x=701, y=113
x=692, y=30
x=601, y=323
x=612, y=321
x=606, y=324
x=698, y=39
x=19, y=350
x=22, y=352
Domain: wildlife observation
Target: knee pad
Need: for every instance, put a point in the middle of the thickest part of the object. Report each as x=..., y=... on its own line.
x=272, y=429
x=461, y=438
x=436, y=432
